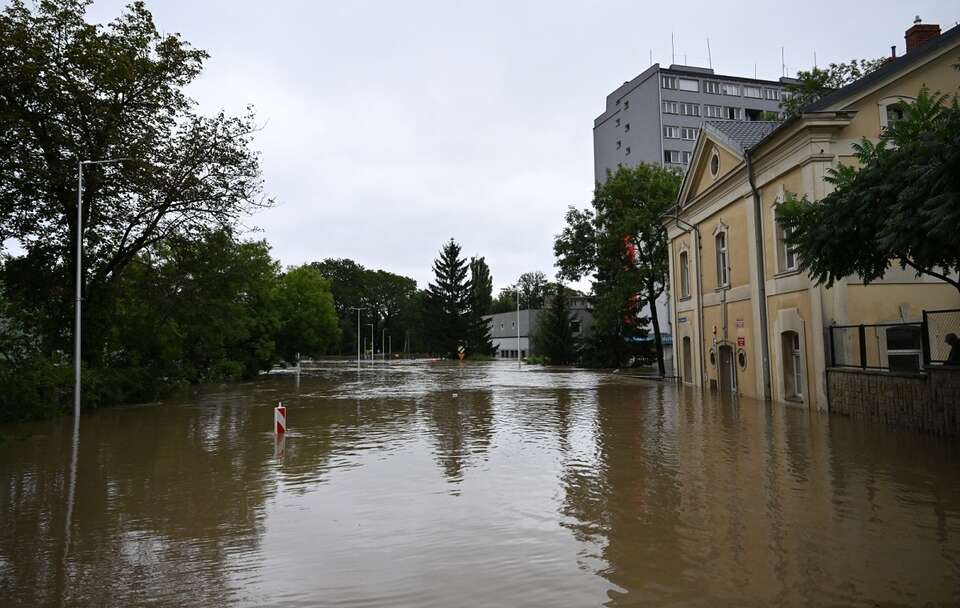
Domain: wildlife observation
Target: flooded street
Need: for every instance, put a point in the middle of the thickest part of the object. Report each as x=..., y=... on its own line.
x=439, y=484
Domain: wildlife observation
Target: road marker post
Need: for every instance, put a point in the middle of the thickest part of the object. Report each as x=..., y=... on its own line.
x=280, y=418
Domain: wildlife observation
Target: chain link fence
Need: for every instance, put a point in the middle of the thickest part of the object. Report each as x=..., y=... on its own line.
x=939, y=324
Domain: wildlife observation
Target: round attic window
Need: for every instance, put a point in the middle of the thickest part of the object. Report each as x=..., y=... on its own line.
x=715, y=164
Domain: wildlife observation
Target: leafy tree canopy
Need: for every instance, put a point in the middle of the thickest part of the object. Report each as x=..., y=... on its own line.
x=308, y=320
x=902, y=205
x=818, y=82
x=620, y=244
x=71, y=90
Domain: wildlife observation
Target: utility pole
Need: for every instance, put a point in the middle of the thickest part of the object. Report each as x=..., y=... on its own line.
x=358, y=309
x=383, y=343
x=373, y=346
x=518, y=328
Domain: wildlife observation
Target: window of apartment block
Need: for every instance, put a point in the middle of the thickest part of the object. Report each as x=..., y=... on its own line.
x=618, y=144
x=690, y=109
x=626, y=128
x=576, y=326
x=712, y=111
x=671, y=107
x=772, y=94
x=618, y=122
x=752, y=91
x=711, y=86
x=723, y=269
x=688, y=133
x=728, y=88
x=685, y=158
x=903, y=348
x=731, y=113
x=627, y=152
x=671, y=132
x=668, y=82
x=626, y=104
x=688, y=84
x=684, y=274
x=674, y=157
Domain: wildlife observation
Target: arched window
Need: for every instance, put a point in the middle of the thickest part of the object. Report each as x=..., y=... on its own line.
x=892, y=109
x=792, y=365
x=684, y=274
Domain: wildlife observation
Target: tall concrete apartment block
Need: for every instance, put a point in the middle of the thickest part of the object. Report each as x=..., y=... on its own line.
x=655, y=117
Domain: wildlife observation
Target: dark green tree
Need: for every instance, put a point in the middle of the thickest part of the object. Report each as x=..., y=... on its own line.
x=449, y=298
x=554, y=335
x=621, y=245
x=533, y=288
x=385, y=297
x=308, y=320
x=348, y=286
x=72, y=90
x=189, y=310
x=481, y=301
x=816, y=83
x=902, y=205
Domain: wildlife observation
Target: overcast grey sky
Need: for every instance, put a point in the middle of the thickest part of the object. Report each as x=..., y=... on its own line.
x=390, y=127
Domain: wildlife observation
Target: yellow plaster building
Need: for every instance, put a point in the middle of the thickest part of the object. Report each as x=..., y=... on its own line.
x=745, y=319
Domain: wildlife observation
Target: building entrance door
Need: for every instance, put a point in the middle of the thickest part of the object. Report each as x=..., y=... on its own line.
x=727, y=369
x=687, y=361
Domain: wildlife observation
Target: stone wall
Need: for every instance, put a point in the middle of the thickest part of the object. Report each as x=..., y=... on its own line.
x=928, y=402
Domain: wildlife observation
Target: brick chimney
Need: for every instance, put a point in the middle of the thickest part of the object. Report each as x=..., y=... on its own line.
x=920, y=33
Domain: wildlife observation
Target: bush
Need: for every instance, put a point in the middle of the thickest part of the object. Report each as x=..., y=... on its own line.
x=34, y=390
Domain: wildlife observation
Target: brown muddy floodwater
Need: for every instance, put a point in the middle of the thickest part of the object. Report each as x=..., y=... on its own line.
x=441, y=484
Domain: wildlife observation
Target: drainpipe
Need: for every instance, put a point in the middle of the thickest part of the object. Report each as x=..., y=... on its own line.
x=761, y=277
x=696, y=246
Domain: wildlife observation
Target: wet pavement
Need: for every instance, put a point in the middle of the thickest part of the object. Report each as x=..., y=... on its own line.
x=445, y=484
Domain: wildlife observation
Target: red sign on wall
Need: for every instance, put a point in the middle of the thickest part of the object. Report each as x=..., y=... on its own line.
x=741, y=341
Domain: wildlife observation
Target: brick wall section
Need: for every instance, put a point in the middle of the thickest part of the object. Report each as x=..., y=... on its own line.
x=929, y=402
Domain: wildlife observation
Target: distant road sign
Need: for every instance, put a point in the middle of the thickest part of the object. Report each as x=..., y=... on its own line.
x=461, y=352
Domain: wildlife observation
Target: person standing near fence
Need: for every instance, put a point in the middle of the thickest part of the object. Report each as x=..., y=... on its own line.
x=953, y=359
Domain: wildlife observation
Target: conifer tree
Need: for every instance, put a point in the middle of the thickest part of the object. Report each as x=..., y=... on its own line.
x=481, y=301
x=449, y=299
x=554, y=337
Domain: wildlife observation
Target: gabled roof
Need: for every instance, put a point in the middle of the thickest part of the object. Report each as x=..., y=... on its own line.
x=739, y=135
x=932, y=47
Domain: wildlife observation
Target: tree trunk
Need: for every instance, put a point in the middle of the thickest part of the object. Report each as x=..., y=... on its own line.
x=655, y=321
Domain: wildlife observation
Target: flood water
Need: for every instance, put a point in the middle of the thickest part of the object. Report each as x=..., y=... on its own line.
x=445, y=484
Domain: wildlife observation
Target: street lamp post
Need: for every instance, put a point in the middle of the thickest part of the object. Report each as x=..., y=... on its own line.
x=518, y=329
x=358, y=309
x=79, y=279
x=373, y=346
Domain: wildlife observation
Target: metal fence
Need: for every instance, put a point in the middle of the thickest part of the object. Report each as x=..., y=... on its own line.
x=899, y=347
x=938, y=325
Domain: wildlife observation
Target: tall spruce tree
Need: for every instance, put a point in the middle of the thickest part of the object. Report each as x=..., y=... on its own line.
x=554, y=336
x=481, y=301
x=449, y=301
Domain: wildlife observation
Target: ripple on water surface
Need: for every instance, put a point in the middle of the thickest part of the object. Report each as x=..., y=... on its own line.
x=444, y=484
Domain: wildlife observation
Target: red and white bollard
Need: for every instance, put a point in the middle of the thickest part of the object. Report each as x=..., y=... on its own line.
x=280, y=418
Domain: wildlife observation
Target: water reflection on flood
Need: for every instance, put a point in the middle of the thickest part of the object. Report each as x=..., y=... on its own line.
x=528, y=488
